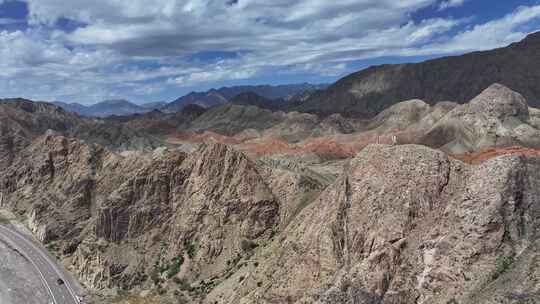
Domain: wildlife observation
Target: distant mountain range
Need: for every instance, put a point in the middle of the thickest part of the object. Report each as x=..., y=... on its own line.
x=208, y=99
x=216, y=97
x=366, y=93
x=108, y=108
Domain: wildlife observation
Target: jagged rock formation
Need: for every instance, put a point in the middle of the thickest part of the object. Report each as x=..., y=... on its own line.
x=22, y=120
x=393, y=224
x=496, y=117
x=405, y=224
x=401, y=224
x=231, y=119
x=366, y=93
x=158, y=123
x=130, y=221
x=293, y=184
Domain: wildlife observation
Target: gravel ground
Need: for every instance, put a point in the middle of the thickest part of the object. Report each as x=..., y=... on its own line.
x=19, y=282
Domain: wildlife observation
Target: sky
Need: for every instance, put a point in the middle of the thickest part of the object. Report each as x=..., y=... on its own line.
x=146, y=51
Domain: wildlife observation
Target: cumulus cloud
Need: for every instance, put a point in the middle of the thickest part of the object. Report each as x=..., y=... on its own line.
x=169, y=27
x=493, y=34
x=132, y=48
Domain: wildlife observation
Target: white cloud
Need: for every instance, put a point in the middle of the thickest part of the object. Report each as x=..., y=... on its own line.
x=217, y=73
x=493, y=34
x=450, y=3
x=132, y=48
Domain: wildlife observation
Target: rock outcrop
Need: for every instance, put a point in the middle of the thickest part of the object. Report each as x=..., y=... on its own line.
x=142, y=220
x=405, y=224
x=21, y=121
x=496, y=117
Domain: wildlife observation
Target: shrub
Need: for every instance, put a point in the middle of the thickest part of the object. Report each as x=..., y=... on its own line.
x=247, y=245
x=155, y=276
x=184, y=285
x=190, y=249
x=175, y=266
x=502, y=265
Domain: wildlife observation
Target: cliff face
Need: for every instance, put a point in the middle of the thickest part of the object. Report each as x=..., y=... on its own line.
x=118, y=220
x=203, y=208
x=405, y=225
x=460, y=78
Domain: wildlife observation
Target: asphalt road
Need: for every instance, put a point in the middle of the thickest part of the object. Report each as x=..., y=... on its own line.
x=45, y=266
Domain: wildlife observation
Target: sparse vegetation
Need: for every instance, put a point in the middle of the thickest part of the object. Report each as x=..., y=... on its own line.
x=3, y=219
x=174, y=267
x=190, y=248
x=183, y=284
x=248, y=245
x=502, y=265
x=155, y=276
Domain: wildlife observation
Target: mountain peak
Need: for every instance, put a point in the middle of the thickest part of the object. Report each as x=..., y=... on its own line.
x=501, y=101
x=115, y=102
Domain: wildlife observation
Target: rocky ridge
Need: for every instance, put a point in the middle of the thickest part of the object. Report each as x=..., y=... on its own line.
x=366, y=93
x=405, y=224
x=21, y=121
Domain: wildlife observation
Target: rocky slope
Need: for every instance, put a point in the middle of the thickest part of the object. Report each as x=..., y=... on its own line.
x=134, y=221
x=366, y=93
x=240, y=119
x=314, y=212
x=21, y=121
x=405, y=224
x=231, y=119
x=108, y=108
x=496, y=117
x=252, y=99
x=400, y=224
x=158, y=123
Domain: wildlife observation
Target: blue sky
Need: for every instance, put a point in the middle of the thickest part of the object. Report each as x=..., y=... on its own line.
x=87, y=51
